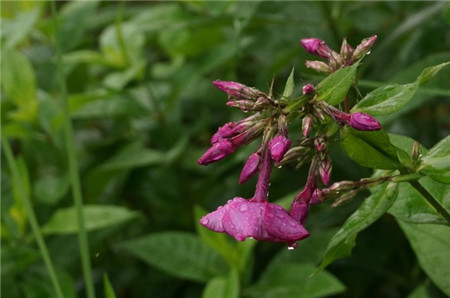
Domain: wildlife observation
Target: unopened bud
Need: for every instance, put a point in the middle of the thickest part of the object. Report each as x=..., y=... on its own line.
x=243, y=104
x=318, y=112
x=250, y=168
x=308, y=89
x=307, y=124
x=237, y=90
x=278, y=146
x=318, y=66
x=346, y=50
x=320, y=144
x=217, y=151
x=344, y=198
x=325, y=171
x=317, y=197
x=416, y=153
x=363, y=121
x=364, y=47
x=316, y=46
x=228, y=130
x=342, y=185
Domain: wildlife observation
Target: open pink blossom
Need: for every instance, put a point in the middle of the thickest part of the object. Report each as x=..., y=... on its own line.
x=241, y=219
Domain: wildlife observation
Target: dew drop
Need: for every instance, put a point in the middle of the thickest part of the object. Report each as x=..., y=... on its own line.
x=293, y=224
x=243, y=208
x=280, y=215
x=204, y=221
x=368, y=53
x=280, y=166
x=291, y=247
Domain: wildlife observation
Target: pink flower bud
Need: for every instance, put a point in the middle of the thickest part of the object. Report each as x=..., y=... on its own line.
x=250, y=168
x=308, y=89
x=217, y=151
x=325, y=171
x=307, y=124
x=225, y=131
x=278, y=147
x=316, y=47
x=364, y=47
x=346, y=50
x=318, y=66
x=238, y=90
x=363, y=121
x=299, y=211
x=317, y=197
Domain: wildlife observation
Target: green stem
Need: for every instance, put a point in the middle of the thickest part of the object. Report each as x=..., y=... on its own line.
x=441, y=210
x=17, y=180
x=119, y=33
x=73, y=166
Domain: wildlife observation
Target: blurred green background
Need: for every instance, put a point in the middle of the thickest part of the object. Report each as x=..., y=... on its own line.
x=143, y=109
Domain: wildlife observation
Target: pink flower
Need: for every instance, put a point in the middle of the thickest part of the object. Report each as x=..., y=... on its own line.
x=278, y=147
x=250, y=167
x=316, y=47
x=241, y=218
x=308, y=89
x=217, y=151
x=364, y=47
x=325, y=171
x=363, y=121
x=238, y=90
x=228, y=130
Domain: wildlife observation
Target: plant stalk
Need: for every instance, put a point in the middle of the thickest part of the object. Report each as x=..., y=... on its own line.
x=17, y=180
x=73, y=165
x=436, y=205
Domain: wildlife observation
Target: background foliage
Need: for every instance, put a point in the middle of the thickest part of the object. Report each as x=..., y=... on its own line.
x=143, y=108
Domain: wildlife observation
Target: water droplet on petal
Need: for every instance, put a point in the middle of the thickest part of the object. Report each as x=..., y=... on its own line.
x=243, y=208
x=293, y=224
x=291, y=247
x=204, y=221
x=368, y=53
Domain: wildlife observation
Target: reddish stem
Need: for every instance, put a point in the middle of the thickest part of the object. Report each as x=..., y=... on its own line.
x=262, y=186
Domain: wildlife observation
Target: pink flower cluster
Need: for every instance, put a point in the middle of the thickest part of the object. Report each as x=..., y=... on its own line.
x=256, y=217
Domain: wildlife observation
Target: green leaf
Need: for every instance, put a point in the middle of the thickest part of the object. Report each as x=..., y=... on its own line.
x=370, y=210
x=20, y=27
x=431, y=244
x=180, y=254
x=311, y=250
x=64, y=220
x=19, y=82
x=223, y=286
x=49, y=189
x=389, y=99
x=334, y=88
x=294, y=280
x=217, y=241
x=109, y=108
x=420, y=292
x=290, y=84
x=412, y=207
x=371, y=149
x=107, y=287
x=436, y=163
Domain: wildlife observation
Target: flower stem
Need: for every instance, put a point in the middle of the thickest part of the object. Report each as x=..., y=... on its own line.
x=441, y=210
x=17, y=180
x=73, y=165
x=262, y=186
